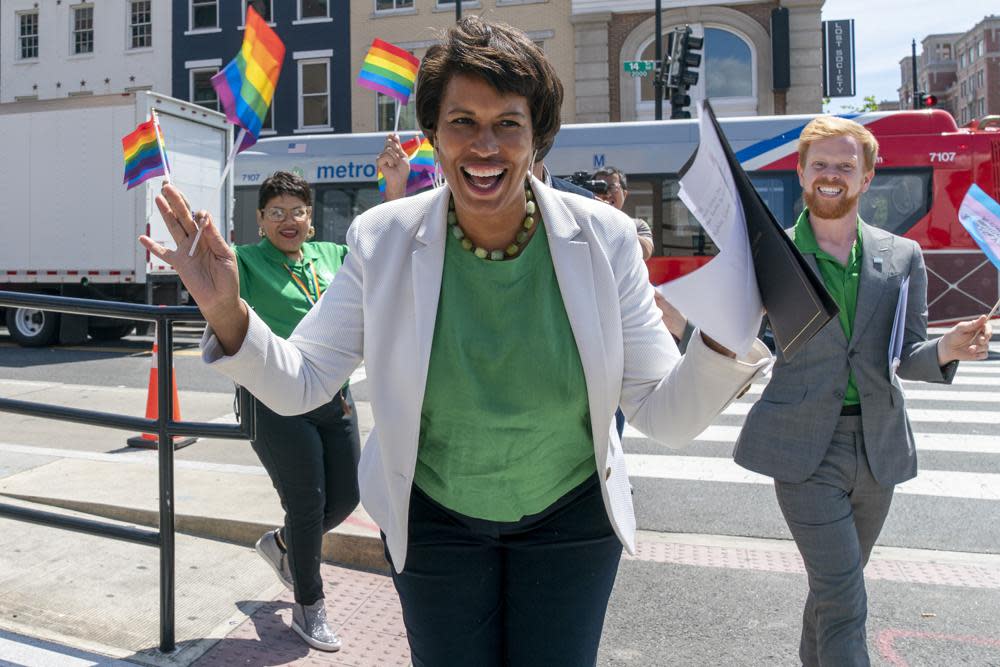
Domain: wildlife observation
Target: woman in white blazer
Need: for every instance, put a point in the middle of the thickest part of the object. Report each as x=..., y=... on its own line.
x=501, y=322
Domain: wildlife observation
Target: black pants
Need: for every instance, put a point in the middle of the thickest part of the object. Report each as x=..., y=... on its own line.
x=313, y=463
x=530, y=592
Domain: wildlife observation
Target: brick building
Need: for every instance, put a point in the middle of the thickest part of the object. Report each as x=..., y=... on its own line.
x=736, y=71
x=961, y=69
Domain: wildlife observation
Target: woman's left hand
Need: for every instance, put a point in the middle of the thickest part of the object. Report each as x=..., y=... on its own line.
x=395, y=166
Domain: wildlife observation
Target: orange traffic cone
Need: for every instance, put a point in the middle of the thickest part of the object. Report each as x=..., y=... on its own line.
x=148, y=440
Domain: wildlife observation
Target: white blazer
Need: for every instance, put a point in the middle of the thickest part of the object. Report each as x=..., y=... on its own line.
x=381, y=309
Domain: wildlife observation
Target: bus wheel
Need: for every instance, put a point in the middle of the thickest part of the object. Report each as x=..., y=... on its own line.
x=32, y=328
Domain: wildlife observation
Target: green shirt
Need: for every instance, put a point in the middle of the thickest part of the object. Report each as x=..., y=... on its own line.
x=268, y=285
x=505, y=423
x=840, y=280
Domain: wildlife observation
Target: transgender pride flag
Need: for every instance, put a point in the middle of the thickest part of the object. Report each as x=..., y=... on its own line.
x=980, y=215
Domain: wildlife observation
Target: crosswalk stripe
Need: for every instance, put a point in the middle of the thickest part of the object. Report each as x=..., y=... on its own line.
x=925, y=442
x=978, y=486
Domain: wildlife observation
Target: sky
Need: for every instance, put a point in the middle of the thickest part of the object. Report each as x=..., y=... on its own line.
x=883, y=31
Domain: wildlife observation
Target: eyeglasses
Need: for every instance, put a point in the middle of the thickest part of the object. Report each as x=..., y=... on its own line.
x=278, y=214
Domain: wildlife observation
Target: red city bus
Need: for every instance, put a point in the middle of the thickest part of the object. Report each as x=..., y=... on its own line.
x=926, y=164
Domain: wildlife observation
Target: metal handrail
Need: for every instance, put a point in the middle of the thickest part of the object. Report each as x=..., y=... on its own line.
x=164, y=426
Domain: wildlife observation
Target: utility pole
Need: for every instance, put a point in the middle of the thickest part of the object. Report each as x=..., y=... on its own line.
x=658, y=73
x=458, y=10
x=913, y=61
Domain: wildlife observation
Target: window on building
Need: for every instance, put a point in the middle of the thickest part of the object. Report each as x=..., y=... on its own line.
x=979, y=76
x=204, y=14
x=263, y=7
x=961, y=59
x=314, y=93
x=386, y=110
x=386, y=5
x=727, y=74
x=202, y=91
x=140, y=24
x=83, y=29
x=314, y=9
x=972, y=55
x=27, y=35
x=979, y=47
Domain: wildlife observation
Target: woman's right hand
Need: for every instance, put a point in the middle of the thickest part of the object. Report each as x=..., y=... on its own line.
x=209, y=274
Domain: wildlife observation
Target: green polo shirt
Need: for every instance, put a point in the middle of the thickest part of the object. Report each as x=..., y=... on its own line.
x=268, y=285
x=841, y=282
x=505, y=422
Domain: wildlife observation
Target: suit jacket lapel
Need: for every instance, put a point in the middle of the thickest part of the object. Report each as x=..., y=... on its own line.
x=427, y=268
x=571, y=260
x=876, y=250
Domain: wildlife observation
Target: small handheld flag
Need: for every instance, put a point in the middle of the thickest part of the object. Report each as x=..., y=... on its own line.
x=980, y=215
x=145, y=156
x=389, y=70
x=421, y=170
x=246, y=85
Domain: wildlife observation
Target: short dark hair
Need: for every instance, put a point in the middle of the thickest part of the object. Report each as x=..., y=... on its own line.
x=283, y=183
x=612, y=171
x=506, y=59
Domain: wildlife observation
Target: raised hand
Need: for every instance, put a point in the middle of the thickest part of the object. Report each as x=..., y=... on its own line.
x=966, y=341
x=210, y=274
x=395, y=166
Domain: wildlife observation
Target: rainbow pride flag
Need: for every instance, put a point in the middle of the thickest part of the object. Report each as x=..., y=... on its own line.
x=421, y=175
x=389, y=70
x=423, y=158
x=145, y=154
x=246, y=85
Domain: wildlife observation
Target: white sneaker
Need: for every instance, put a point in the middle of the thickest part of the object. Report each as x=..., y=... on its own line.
x=309, y=622
x=268, y=549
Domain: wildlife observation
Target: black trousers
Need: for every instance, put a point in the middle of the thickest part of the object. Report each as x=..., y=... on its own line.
x=313, y=463
x=530, y=592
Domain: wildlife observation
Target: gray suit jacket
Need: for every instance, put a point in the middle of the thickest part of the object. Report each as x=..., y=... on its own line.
x=787, y=432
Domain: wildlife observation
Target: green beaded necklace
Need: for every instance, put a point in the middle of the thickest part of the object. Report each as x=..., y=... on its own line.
x=523, y=234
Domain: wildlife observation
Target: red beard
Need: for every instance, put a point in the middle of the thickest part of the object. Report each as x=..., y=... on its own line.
x=829, y=209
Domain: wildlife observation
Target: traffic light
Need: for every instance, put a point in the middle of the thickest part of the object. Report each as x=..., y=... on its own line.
x=928, y=101
x=684, y=61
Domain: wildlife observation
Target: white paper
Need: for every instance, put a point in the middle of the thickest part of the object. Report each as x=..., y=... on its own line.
x=720, y=298
x=898, y=328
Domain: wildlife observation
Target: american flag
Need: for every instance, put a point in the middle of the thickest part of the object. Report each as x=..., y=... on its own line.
x=296, y=147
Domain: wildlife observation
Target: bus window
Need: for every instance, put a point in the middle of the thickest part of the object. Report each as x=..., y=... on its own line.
x=337, y=206
x=781, y=193
x=897, y=199
x=245, y=217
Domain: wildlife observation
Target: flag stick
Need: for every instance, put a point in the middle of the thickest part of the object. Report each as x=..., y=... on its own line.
x=218, y=188
x=399, y=108
x=159, y=145
x=994, y=310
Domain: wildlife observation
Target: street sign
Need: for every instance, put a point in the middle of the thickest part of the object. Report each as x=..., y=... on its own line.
x=640, y=67
x=838, y=58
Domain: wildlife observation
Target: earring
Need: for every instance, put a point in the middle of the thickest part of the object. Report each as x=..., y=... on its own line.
x=260, y=232
x=311, y=233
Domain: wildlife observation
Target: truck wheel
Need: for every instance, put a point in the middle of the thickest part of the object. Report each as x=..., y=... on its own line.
x=32, y=328
x=112, y=332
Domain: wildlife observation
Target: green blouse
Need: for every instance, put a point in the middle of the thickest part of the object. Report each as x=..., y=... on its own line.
x=281, y=290
x=505, y=422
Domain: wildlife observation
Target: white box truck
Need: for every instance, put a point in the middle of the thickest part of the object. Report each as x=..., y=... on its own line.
x=70, y=227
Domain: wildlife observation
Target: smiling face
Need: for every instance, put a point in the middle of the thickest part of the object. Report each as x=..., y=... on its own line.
x=833, y=177
x=484, y=141
x=289, y=234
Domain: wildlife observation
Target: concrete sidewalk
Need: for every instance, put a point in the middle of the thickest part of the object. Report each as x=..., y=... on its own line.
x=75, y=599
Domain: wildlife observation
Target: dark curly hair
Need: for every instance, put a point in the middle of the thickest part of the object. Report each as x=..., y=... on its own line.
x=505, y=58
x=283, y=183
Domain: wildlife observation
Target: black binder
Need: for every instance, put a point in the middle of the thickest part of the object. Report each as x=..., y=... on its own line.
x=795, y=299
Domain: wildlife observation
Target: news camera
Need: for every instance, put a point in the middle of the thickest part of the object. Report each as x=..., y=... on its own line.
x=583, y=180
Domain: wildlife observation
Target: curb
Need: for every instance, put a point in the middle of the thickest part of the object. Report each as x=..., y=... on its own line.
x=361, y=552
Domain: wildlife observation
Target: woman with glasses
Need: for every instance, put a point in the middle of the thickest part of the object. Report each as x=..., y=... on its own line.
x=312, y=458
